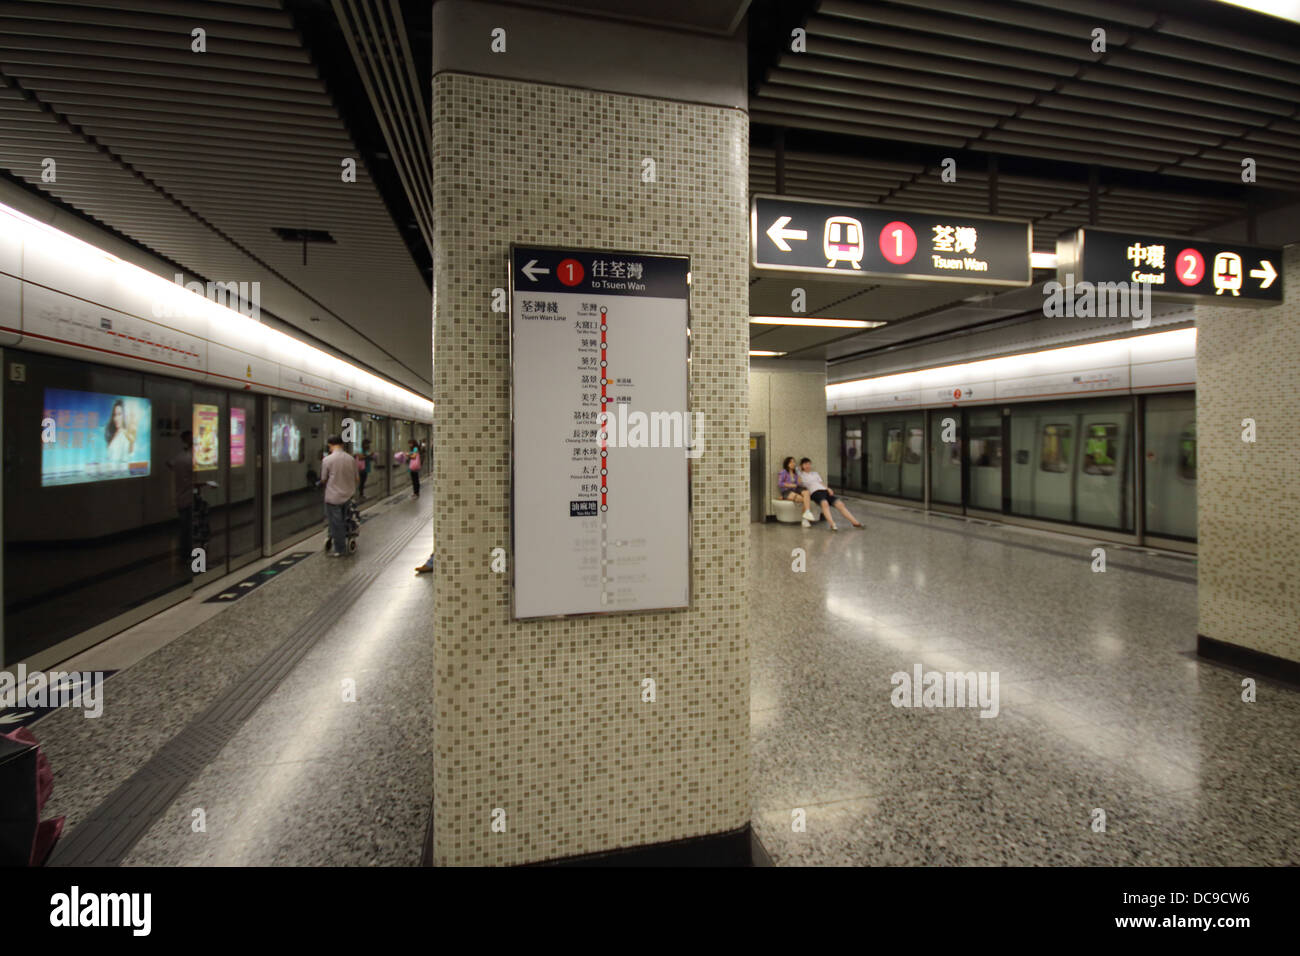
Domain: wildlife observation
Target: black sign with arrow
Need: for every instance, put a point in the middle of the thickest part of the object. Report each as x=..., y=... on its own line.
x=1227, y=273
x=540, y=269
x=810, y=236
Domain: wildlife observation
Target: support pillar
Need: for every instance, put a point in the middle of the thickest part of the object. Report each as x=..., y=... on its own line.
x=541, y=724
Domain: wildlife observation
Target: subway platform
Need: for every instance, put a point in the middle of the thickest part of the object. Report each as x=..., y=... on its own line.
x=295, y=725
x=291, y=727
x=1103, y=706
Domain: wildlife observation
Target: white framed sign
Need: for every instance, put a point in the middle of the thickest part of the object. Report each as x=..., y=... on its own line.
x=601, y=432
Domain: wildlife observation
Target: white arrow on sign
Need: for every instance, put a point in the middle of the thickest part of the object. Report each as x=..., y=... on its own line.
x=1265, y=272
x=532, y=271
x=779, y=234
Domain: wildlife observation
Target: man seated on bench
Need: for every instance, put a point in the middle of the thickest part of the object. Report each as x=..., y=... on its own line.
x=823, y=495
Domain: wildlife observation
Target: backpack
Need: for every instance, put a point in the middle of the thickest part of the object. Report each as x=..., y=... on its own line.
x=26, y=781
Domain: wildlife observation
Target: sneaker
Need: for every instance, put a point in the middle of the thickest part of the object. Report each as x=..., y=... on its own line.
x=835, y=528
x=807, y=523
x=333, y=554
x=809, y=517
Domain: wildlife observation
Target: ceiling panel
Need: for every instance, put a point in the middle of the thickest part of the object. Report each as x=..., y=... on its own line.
x=199, y=157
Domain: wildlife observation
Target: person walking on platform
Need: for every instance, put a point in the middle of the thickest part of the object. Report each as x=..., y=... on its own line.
x=338, y=475
x=823, y=495
x=413, y=463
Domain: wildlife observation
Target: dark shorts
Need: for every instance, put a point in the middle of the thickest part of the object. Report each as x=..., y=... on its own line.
x=826, y=496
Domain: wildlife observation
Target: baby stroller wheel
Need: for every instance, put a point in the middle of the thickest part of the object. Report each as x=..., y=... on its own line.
x=352, y=545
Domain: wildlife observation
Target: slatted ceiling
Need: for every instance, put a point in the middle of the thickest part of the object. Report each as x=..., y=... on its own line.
x=775, y=113
x=965, y=45
x=226, y=145
x=1170, y=95
x=870, y=91
x=377, y=41
x=116, y=36
x=1216, y=36
x=107, y=11
x=853, y=26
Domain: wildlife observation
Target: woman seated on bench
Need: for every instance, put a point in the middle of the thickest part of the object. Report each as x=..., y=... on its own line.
x=787, y=486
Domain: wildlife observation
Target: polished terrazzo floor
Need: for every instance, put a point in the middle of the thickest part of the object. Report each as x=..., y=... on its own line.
x=308, y=778
x=1103, y=706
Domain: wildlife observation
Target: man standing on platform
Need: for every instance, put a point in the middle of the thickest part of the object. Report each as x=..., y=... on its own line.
x=338, y=475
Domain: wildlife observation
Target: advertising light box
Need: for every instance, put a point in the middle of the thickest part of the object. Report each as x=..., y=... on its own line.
x=286, y=438
x=207, y=437
x=238, y=425
x=97, y=437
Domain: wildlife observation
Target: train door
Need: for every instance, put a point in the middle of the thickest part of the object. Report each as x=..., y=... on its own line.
x=244, y=475
x=1024, y=460
x=1170, y=465
x=945, y=459
x=853, y=458
x=1103, y=470
x=1054, y=460
x=913, y=471
x=834, y=451
x=892, y=433
x=210, y=456
x=985, y=459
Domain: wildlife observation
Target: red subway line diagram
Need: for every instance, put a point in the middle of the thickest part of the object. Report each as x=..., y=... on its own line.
x=604, y=407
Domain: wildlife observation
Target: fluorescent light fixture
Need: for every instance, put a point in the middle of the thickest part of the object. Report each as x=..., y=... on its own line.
x=760, y=353
x=1112, y=352
x=1282, y=9
x=228, y=327
x=1042, y=260
x=820, y=323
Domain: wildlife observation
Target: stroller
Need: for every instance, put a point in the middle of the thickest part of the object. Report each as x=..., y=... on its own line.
x=351, y=524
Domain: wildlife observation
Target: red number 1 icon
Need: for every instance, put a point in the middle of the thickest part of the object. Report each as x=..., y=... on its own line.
x=569, y=271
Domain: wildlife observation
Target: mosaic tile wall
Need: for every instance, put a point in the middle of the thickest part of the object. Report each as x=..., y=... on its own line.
x=544, y=720
x=1248, y=495
x=790, y=408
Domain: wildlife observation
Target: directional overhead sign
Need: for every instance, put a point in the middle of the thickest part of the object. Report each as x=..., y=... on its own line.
x=811, y=236
x=1227, y=273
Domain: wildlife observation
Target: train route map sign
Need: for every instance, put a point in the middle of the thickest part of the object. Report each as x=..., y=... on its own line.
x=600, y=507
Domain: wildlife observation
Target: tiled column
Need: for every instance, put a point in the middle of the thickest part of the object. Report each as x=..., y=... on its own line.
x=787, y=403
x=1248, y=495
x=544, y=719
